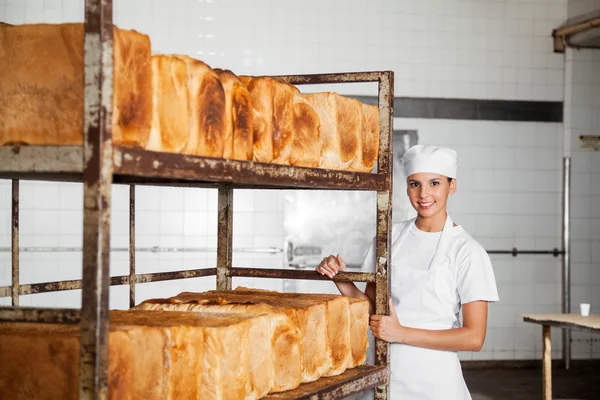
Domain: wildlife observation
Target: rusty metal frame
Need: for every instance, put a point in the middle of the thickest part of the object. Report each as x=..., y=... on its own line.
x=337, y=387
x=132, y=276
x=562, y=35
x=225, y=239
x=15, y=243
x=98, y=164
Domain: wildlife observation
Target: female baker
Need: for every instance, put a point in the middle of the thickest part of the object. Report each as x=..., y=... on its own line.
x=438, y=269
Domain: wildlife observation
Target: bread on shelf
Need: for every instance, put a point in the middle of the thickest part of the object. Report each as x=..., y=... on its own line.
x=42, y=85
x=341, y=128
x=238, y=135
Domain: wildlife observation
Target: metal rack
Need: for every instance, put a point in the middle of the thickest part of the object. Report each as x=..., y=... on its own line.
x=98, y=164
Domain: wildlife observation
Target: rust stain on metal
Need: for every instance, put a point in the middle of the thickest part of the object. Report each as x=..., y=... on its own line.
x=169, y=276
x=32, y=160
x=51, y=316
x=351, y=381
x=75, y=284
x=141, y=163
x=97, y=178
x=224, y=239
x=301, y=274
x=132, y=246
x=332, y=78
x=15, y=243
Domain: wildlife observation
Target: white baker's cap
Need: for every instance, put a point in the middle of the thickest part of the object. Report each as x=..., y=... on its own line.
x=432, y=159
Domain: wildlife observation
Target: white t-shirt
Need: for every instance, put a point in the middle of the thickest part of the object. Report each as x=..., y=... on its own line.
x=418, y=248
x=470, y=263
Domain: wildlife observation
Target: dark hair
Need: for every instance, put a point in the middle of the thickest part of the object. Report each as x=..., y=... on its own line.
x=450, y=179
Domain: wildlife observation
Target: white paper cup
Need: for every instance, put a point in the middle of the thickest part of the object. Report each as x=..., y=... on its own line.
x=585, y=309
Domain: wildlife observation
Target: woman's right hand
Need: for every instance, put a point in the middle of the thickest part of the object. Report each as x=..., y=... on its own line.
x=331, y=265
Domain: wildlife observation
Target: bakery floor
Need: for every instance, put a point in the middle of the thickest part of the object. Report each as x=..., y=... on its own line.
x=581, y=381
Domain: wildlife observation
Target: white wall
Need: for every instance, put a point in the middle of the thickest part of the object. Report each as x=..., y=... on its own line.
x=577, y=8
x=510, y=173
x=582, y=117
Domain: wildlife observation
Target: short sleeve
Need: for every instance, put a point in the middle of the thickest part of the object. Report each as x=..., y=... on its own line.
x=476, y=280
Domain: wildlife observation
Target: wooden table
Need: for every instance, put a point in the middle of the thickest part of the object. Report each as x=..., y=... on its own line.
x=565, y=321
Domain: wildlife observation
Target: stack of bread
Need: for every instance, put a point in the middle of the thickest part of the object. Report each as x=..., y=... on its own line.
x=241, y=344
x=175, y=104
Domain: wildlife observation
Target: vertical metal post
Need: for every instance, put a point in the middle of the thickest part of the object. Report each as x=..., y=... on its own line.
x=131, y=246
x=384, y=218
x=97, y=178
x=566, y=264
x=225, y=239
x=15, y=243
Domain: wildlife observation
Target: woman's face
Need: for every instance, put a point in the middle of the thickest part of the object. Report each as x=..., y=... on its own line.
x=428, y=193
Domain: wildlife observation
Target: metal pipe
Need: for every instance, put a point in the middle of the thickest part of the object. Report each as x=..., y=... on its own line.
x=300, y=274
x=566, y=264
x=153, y=249
x=131, y=246
x=75, y=284
x=515, y=252
x=224, y=239
x=15, y=243
x=97, y=180
x=383, y=269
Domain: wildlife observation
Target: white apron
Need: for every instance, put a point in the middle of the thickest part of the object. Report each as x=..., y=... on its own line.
x=425, y=299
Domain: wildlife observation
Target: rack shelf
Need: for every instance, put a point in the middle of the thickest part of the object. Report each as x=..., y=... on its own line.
x=136, y=166
x=97, y=163
x=352, y=381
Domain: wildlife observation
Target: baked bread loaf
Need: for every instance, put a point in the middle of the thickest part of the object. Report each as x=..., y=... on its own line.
x=237, y=134
x=306, y=142
x=338, y=324
x=307, y=316
x=41, y=361
x=152, y=355
x=208, y=120
x=170, y=104
x=368, y=145
x=230, y=361
x=359, y=331
x=262, y=91
x=41, y=85
x=341, y=126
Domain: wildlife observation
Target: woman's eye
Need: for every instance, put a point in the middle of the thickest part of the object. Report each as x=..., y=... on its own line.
x=414, y=184
x=435, y=183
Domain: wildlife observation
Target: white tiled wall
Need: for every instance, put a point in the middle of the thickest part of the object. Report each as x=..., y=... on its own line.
x=437, y=48
x=510, y=173
x=582, y=109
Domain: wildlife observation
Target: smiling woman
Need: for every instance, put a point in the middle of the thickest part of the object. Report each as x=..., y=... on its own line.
x=438, y=269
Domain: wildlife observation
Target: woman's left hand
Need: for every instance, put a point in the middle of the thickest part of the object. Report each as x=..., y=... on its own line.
x=387, y=328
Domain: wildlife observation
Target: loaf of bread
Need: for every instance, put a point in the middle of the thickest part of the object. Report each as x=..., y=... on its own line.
x=152, y=355
x=231, y=359
x=262, y=91
x=359, y=331
x=207, y=110
x=170, y=104
x=284, y=337
x=368, y=145
x=237, y=134
x=341, y=127
x=41, y=85
x=338, y=324
x=308, y=316
x=286, y=127
x=41, y=361
x=306, y=142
